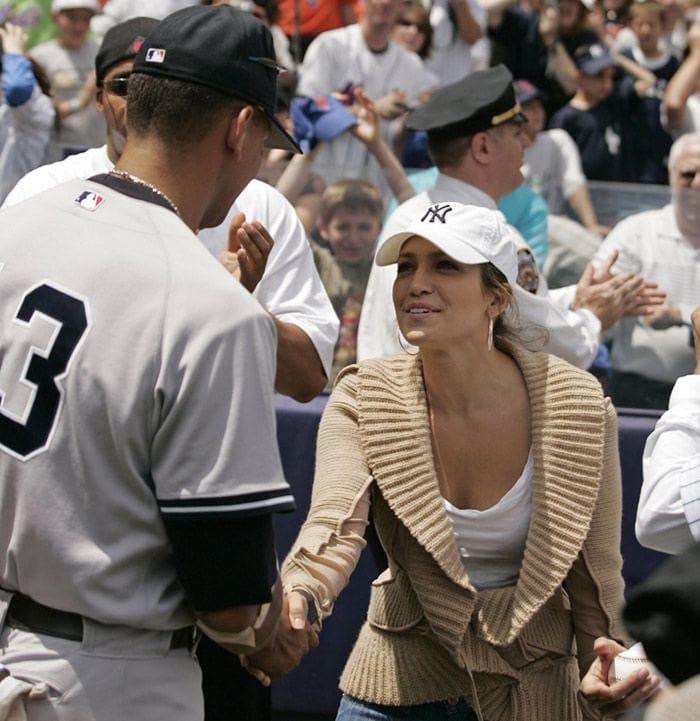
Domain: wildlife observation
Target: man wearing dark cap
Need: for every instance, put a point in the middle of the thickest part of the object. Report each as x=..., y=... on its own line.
x=138, y=455
x=476, y=139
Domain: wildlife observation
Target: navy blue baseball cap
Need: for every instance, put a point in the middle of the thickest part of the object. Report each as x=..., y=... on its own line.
x=222, y=48
x=322, y=117
x=591, y=59
x=481, y=100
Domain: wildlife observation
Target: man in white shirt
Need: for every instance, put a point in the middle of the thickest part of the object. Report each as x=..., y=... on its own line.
x=476, y=138
x=289, y=287
x=648, y=355
x=668, y=515
x=362, y=55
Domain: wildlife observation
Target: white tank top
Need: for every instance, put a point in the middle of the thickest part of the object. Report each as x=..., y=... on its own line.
x=492, y=542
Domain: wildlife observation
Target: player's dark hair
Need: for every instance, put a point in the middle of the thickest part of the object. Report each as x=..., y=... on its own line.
x=174, y=110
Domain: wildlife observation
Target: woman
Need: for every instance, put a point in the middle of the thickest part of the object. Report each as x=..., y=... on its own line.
x=493, y=477
x=413, y=30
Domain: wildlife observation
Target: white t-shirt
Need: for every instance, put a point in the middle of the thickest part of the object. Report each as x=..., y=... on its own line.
x=338, y=57
x=137, y=385
x=572, y=335
x=117, y=11
x=290, y=288
x=451, y=56
x=552, y=168
x=24, y=137
x=491, y=542
x=67, y=70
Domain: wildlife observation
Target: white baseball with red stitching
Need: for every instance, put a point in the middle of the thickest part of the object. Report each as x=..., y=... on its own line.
x=629, y=661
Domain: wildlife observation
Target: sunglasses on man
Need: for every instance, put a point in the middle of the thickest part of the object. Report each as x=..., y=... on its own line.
x=118, y=85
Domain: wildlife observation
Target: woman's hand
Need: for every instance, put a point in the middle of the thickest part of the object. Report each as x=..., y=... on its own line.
x=621, y=695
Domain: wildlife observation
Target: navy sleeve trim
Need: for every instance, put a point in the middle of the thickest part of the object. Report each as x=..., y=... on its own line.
x=241, y=506
x=224, y=562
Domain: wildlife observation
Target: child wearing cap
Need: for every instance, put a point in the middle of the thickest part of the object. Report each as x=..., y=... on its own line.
x=68, y=60
x=596, y=116
x=650, y=143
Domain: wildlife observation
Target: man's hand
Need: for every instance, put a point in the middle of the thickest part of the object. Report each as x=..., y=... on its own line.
x=392, y=105
x=549, y=25
x=295, y=638
x=695, y=320
x=249, y=245
x=615, y=698
x=664, y=316
x=610, y=297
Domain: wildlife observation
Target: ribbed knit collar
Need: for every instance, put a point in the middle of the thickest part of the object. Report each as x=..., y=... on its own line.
x=567, y=427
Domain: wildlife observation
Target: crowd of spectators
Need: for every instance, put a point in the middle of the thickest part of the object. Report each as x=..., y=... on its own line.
x=605, y=86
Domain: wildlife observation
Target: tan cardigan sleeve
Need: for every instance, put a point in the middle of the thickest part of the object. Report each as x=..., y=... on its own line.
x=594, y=584
x=331, y=539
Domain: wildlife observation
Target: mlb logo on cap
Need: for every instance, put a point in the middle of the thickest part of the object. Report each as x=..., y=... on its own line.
x=90, y=200
x=155, y=55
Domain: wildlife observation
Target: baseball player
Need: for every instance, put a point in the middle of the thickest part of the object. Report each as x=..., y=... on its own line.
x=289, y=289
x=285, y=281
x=138, y=456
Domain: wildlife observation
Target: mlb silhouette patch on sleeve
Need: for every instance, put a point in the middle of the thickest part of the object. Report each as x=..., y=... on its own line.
x=90, y=200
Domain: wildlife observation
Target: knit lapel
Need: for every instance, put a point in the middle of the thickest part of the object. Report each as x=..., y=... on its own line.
x=567, y=425
x=397, y=441
x=568, y=419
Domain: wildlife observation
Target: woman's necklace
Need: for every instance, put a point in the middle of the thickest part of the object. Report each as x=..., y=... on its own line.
x=134, y=179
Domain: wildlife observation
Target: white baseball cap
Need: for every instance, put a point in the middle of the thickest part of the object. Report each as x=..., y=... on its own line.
x=467, y=233
x=58, y=6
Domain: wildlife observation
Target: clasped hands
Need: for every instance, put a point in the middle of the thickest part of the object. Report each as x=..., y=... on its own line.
x=610, y=297
x=295, y=637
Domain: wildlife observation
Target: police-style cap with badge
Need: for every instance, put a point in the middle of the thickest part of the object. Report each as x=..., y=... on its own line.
x=121, y=42
x=467, y=233
x=222, y=48
x=482, y=100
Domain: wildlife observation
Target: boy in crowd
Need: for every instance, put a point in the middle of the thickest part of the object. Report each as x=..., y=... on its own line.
x=596, y=116
x=649, y=142
x=349, y=222
x=68, y=60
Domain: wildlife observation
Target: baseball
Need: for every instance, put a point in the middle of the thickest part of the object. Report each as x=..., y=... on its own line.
x=630, y=661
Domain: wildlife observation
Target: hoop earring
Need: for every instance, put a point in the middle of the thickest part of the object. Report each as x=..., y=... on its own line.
x=489, y=341
x=404, y=347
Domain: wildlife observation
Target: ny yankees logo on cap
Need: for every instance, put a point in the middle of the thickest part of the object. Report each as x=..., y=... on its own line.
x=436, y=212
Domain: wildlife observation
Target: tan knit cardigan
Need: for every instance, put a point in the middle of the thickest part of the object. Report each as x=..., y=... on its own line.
x=429, y=634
